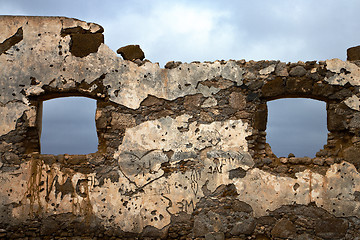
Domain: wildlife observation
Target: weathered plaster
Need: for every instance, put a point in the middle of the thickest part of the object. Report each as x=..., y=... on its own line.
x=263, y=191
x=171, y=139
x=165, y=134
x=167, y=83
x=353, y=102
x=345, y=72
x=10, y=113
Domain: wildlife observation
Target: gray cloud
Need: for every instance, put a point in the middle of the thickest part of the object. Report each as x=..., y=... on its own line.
x=210, y=30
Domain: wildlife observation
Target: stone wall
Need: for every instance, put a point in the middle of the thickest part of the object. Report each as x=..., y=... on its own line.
x=182, y=149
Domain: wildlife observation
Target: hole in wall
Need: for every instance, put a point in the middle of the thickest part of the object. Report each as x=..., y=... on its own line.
x=296, y=125
x=68, y=126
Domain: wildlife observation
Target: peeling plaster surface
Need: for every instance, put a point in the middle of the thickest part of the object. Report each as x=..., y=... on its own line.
x=164, y=134
x=9, y=113
x=345, y=72
x=167, y=83
x=169, y=137
x=332, y=191
x=353, y=103
x=263, y=191
x=43, y=37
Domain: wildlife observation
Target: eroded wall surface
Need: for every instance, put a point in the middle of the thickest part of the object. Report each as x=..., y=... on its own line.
x=182, y=149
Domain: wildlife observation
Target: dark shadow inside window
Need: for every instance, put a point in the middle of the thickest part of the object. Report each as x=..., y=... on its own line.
x=296, y=125
x=68, y=126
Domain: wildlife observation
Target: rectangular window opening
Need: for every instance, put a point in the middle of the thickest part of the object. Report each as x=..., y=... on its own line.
x=68, y=126
x=296, y=126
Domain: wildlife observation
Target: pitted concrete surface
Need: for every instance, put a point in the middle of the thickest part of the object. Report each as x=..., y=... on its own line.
x=182, y=149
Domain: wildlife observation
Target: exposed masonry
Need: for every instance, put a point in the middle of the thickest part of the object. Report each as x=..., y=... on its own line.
x=182, y=149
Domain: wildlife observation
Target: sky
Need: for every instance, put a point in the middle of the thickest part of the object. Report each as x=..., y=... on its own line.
x=296, y=125
x=187, y=31
x=68, y=124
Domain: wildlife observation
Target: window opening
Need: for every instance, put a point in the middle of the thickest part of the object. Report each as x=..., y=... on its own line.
x=296, y=125
x=68, y=126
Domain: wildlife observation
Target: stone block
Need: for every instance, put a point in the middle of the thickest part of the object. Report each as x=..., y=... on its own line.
x=284, y=228
x=131, y=52
x=333, y=228
x=244, y=227
x=353, y=53
x=297, y=71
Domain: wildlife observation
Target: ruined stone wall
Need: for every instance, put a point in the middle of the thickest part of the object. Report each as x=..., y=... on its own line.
x=182, y=150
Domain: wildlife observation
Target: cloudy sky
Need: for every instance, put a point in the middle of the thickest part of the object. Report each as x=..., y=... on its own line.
x=208, y=30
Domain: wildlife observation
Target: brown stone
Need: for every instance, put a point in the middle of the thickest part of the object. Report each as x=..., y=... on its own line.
x=297, y=71
x=261, y=118
x=244, y=227
x=206, y=117
x=333, y=228
x=76, y=159
x=329, y=161
x=11, y=158
x=294, y=160
x=153, y=233
x=242, y=115
x=215, y=236
x=237, y=173
x=336, y=116
x=160, y=114
x=255, y=85
x=172, y=64
x=353, y=53
x=323, y=90
x=100, y=119
x=131, y=52
x=269, y=151
x=281, y=169
x=121, y=120
x=151, y=100
x=262, y=237
x=284, y=229
x=274, y=88
x=291, y=155
x=281, y=70
x=192, y=102
x=239, y=206
x=237, y=101
x=203, y=224
x=355, y=121
x=352, y=155
x=218, y=82
x=318, y=161
x=305, y=160
x=341, y=94
x=299, y=86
